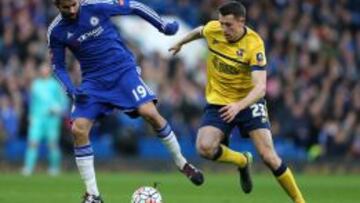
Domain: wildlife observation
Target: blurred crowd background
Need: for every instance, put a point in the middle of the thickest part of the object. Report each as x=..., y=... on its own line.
x=313, y=91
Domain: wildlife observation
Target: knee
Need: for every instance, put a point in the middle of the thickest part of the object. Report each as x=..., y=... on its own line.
x=80, y=134
x=205, y=150
x=78, y=130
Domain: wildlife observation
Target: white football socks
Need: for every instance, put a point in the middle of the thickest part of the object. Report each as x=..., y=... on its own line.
x=85, y=163
x=87, y=173
x=172, y=144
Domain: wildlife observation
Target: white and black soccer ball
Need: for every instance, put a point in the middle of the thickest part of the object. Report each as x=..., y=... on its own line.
x=146, y=194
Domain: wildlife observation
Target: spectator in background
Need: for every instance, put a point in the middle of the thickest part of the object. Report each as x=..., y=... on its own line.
x=47, y=105
x=8, y=118
x=8, y=122
x=304, y=40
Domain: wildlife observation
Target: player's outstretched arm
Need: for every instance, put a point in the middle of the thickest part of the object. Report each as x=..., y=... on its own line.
x=191, y=36
x=148, y=14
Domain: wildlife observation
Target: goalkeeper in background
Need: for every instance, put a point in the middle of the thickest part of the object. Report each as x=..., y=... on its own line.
x=235, y=90
x=47, y=105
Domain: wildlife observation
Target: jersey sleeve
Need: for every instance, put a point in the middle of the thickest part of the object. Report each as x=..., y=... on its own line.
x=114, y=7
x=130, y=7
x=57, y=55
x=257, y=56
x=209, y=28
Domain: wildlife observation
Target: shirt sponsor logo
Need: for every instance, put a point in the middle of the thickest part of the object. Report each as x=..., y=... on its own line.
x=93, y=33
x=225, y=68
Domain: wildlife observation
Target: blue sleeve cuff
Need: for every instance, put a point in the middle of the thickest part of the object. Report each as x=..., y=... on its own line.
x=258, y=68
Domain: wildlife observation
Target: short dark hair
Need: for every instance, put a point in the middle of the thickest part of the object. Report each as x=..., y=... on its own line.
x=233, y=7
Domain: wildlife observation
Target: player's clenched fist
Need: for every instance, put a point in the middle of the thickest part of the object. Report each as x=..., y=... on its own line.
x=171, y=28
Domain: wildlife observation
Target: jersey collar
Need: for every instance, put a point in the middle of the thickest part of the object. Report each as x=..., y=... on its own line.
x=242, y=36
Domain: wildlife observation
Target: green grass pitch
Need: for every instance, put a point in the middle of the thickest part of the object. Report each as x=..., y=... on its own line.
x=218, y=188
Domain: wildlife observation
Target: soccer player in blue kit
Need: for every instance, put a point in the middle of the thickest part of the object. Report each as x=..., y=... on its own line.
x=110, y=79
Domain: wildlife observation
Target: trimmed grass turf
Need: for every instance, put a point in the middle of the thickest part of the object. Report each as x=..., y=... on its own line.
x=218, y=188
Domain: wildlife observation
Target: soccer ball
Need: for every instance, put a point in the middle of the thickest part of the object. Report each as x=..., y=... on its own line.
x=146, y=194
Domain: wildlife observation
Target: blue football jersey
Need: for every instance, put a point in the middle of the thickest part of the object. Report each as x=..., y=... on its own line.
x=94, y=39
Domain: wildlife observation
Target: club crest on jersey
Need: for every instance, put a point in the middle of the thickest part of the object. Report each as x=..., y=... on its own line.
x=94, y=21
x=240, y=52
